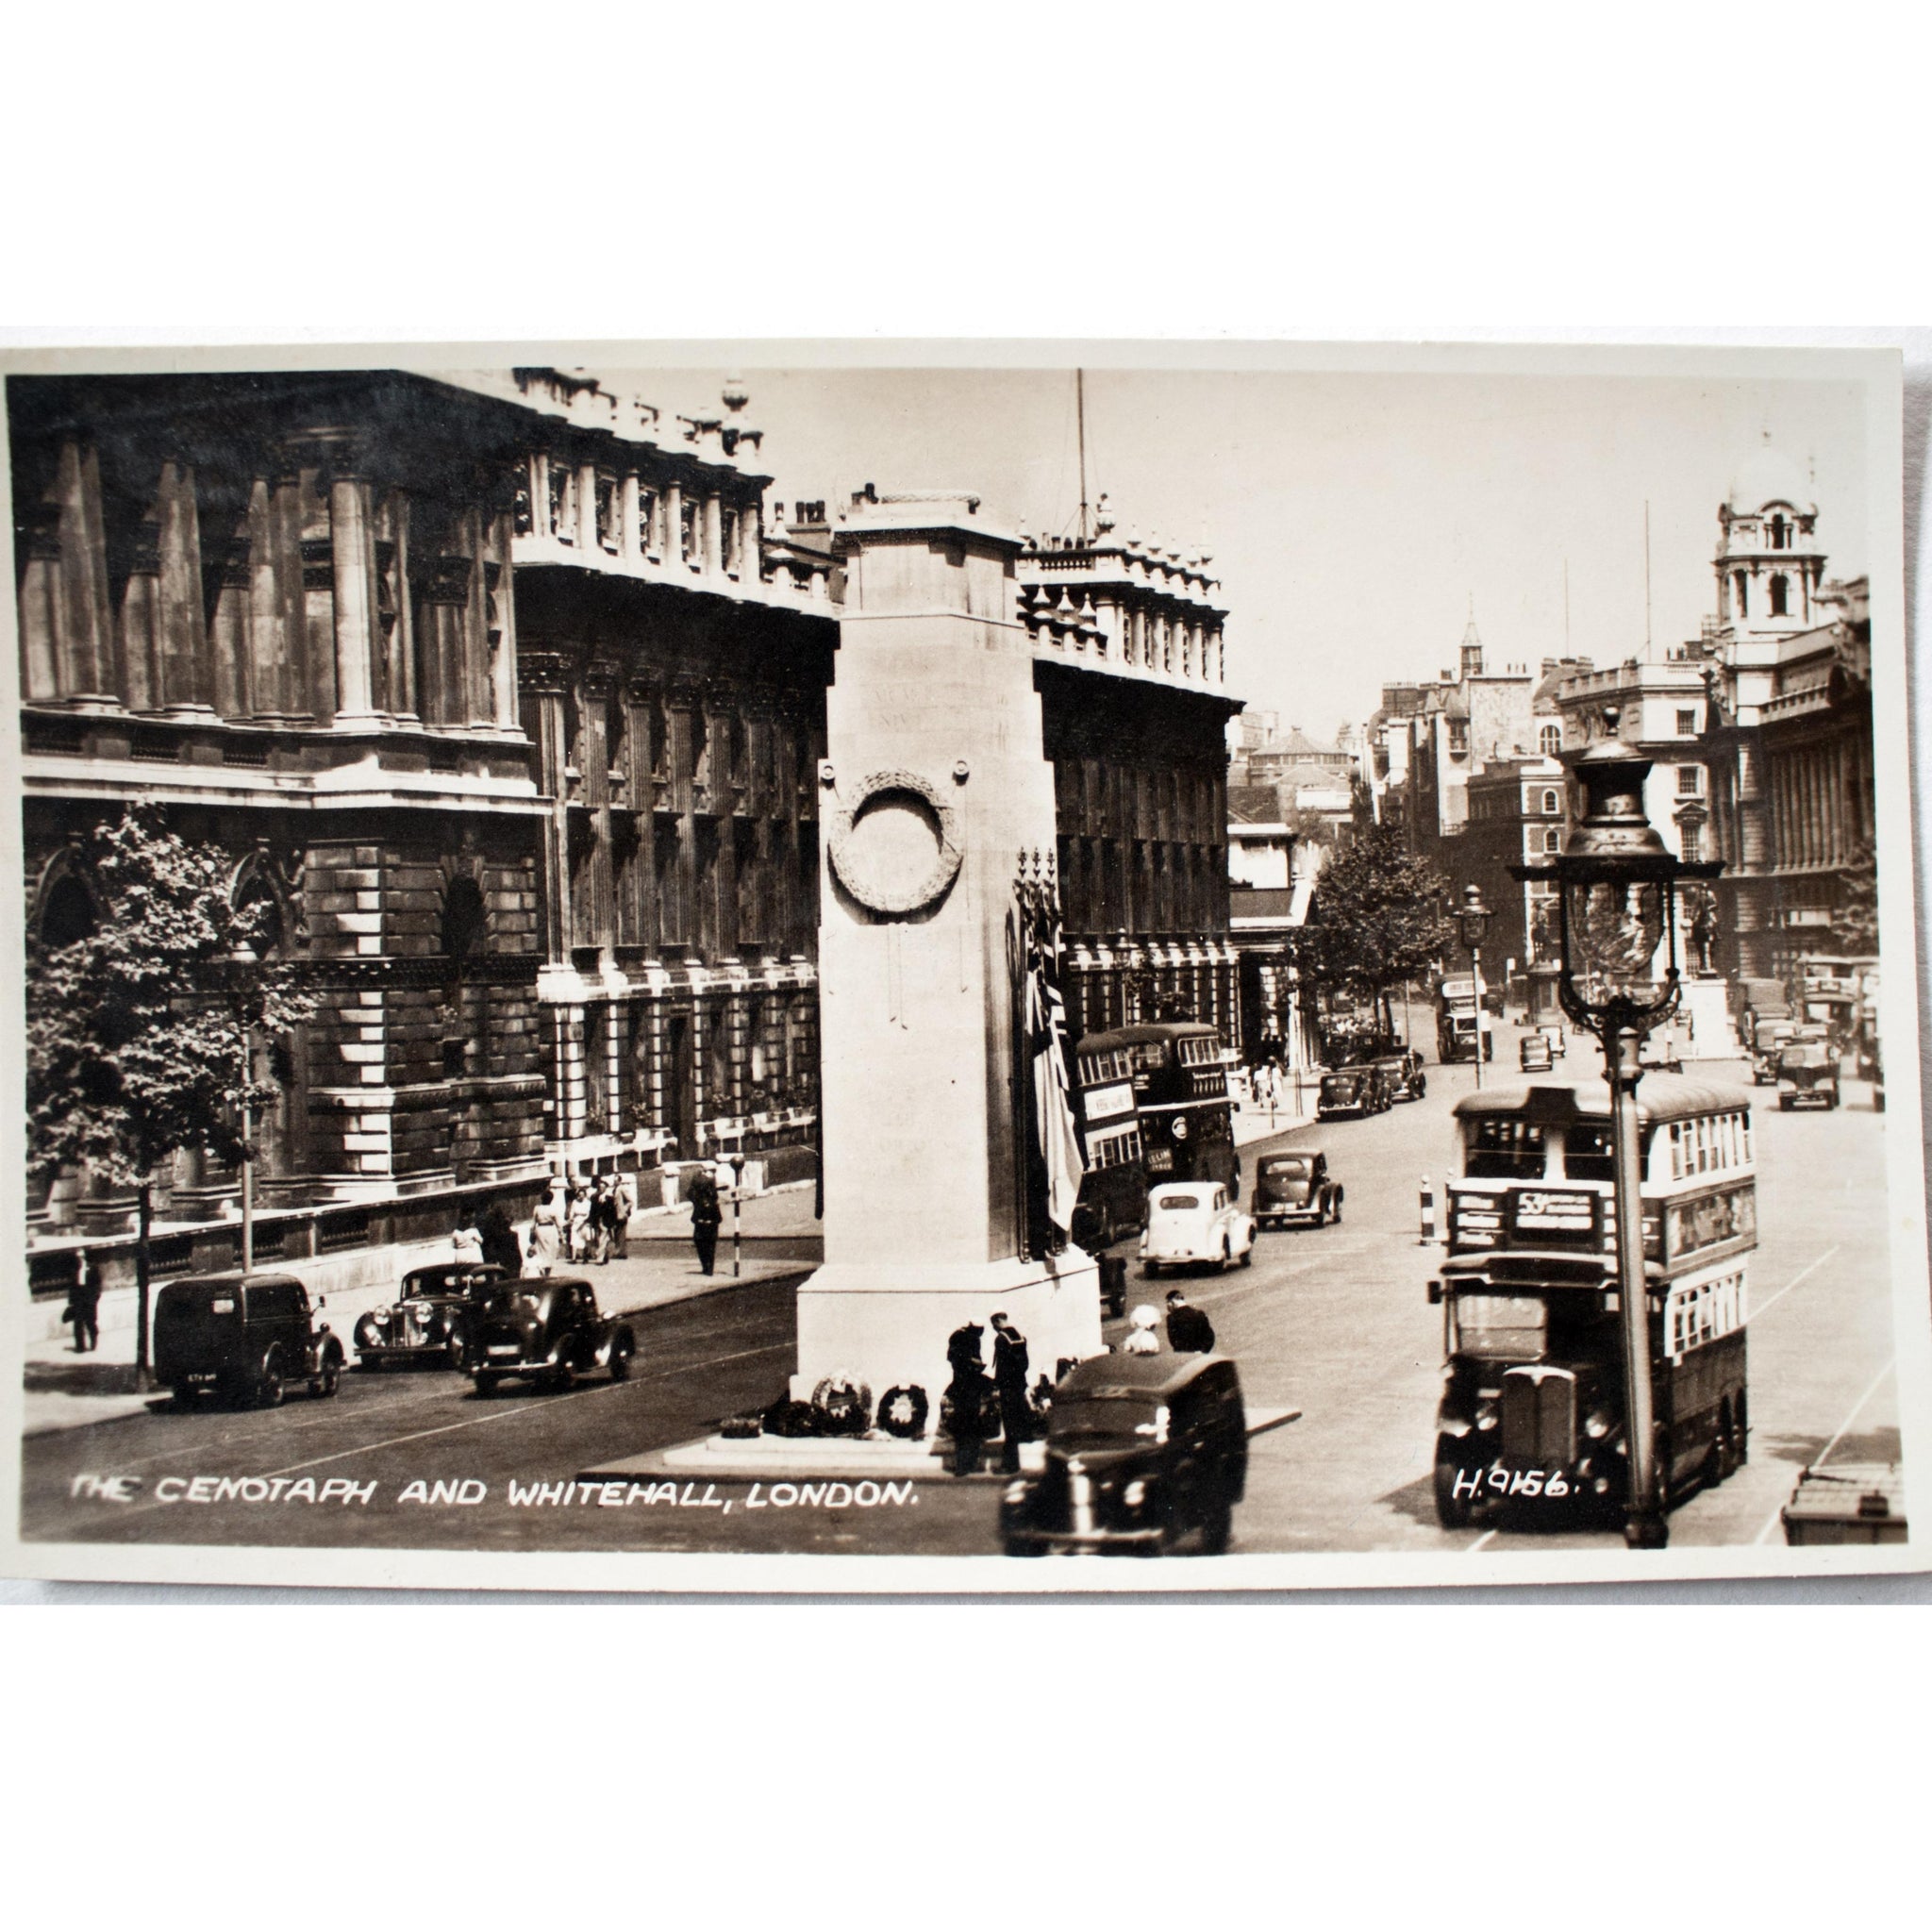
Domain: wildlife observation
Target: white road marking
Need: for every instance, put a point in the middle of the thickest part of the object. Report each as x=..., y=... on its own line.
x=1844, y=1429
x=1792, y=1283
x=1483, y=1542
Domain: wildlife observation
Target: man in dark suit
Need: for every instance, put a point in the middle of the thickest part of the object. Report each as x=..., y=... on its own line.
x=1189, y=1330
x=1009, y=1380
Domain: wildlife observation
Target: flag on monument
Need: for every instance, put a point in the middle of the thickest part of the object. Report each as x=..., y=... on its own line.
x=1060, y=1138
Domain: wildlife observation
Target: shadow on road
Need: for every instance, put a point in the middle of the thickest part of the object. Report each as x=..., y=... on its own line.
x=79, y=1378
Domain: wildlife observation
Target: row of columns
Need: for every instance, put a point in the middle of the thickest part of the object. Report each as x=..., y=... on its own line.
x=1813, y=803
x=567, y=502
x=288, y=594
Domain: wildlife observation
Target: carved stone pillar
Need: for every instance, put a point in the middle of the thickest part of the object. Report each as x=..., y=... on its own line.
x=352, y=560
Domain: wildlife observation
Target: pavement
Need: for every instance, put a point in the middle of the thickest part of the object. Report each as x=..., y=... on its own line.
x=778, y=1236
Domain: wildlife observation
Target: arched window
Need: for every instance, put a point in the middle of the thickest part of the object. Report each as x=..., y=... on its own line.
x=1780, y=533
x=465, y=923
x=1553, y=841
x=1550, y=741
x=69, y=916
x=1779, y=590
x=1551, y=801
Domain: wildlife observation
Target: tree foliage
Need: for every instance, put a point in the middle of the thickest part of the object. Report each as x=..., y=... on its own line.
x=135, y=1032
x=1855, y=925
x=1376, y=919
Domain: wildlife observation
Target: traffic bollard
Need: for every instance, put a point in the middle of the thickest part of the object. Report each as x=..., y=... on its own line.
x=1428, y=1213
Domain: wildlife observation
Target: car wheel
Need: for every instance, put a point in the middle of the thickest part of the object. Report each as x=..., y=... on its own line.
x=330, y=1378
x=1421, y=1087
x=365, y=1336
x=268, y=1382
x=1335, y=1214
x=183, y=1395
x=1452, y=1511
x=1725, y=1448
x=1226, y=1254
x=1741, y=1432
x=620, y=1359
x=562, y=1374
x=1248, y=1253
x=1151, y=1270
x=454, y=1348
x=486, y=1386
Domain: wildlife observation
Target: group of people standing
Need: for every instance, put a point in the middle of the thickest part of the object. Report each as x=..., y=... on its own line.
x=581, y=1221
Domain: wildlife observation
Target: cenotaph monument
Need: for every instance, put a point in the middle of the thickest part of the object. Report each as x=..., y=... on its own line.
x=936, y=794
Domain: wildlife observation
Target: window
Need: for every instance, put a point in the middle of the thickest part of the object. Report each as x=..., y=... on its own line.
x=1553, y=841
x=1552, y=803
x=1458, y=738
x=1738, y=581
x=1550, y=741
x=1687, y=721
x=1780, y=588
x=1780, y=533
x=1690, y=781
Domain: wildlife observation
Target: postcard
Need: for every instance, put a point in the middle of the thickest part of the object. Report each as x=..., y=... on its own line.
x=824, y=967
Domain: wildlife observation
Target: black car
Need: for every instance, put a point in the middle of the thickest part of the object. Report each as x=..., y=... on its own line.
x=1806, y=1074
x=548, y=1332
x=1142, y=1451
x=1352, y=1090
x=1295, y=1190
x=1402, y=1074
x=242, y=1338
x=428, y=1322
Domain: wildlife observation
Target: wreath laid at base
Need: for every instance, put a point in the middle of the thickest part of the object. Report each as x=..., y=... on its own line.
x=903, y=1411
x=843, y=1406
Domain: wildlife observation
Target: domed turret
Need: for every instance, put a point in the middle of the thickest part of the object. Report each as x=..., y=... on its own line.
x=1768, y=563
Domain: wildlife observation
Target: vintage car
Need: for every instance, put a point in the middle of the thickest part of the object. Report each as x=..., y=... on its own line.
x=1142, y=1450
x=1195, y=1221
x=546, y=1331
x=1402, y=1074
x=1533, y=1053
x=1295, y=1190
x=1559, y=1039
x=1807, y=1076
x=1769, y=1042
x=1350, y=1091
x=428, y=1322
x=243, y=1338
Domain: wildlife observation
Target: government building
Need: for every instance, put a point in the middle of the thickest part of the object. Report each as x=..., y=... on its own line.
x=507, y=691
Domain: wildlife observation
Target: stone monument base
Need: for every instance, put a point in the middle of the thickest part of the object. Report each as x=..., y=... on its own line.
x=888, y=1325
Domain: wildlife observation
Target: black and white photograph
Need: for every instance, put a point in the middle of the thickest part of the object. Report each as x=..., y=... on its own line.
x=827, y=968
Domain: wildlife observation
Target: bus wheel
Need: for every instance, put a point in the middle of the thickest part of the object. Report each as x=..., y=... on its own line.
x=1740, y=1433
x=1452, y=1511
x=1724, y=1451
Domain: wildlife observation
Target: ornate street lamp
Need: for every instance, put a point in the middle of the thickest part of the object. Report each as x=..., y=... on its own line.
x=1473, y=919
x=1616, y=905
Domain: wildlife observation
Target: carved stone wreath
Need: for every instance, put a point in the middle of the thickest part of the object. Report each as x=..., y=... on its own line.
x=876, y=887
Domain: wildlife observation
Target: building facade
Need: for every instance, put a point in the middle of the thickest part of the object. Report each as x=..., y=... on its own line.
x=507, y=691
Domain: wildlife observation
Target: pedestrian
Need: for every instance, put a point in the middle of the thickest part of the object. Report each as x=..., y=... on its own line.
x=469, y=1245
x=1189, y=1330
x=706, y=1217
x=1009, y=1380
x=83, y=1305
x=602, y=1220
x=578, y=1226
x=623, y=1202
x=1144, y=1336
x=500, y=1247
x=966, y=1395
x=546, y=1233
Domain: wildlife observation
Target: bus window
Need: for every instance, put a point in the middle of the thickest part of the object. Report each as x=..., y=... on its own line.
x=1501, y=1148
x=1588, y=1152
x=1507, y=1327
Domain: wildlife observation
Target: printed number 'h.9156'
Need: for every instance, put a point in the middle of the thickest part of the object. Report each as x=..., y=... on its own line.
x=1498, y=1481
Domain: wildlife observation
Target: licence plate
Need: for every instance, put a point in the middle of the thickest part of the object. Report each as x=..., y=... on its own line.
x=505, y=1348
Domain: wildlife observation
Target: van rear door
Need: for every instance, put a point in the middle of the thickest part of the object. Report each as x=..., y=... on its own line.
x=197, y=1328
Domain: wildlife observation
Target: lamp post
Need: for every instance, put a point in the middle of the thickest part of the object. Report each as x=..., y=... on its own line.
x=1475, y=920
x=1616, y=901
x=243, y=957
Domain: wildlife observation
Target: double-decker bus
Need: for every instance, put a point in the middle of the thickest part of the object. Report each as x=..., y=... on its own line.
x=1459, y=1026
x=1113, y=1193
x=1177, y=1074
x=1533, y=1398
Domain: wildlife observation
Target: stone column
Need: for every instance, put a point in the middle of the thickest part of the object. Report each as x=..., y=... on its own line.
x=353, y=561
x=712, y=534
x=673, y=547
x=628, y=515
x=938, y=782
x=182, y=629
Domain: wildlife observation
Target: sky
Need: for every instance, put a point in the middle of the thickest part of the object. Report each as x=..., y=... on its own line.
x=1355, y=520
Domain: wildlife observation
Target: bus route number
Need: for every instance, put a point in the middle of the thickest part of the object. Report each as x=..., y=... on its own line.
x=1498, y=1481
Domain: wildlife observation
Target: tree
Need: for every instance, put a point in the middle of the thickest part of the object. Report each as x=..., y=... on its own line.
x=1855, y=925
x=1376, y=920
x=138, y=1031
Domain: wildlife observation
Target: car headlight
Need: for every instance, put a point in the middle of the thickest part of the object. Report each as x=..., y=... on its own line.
x=1486, y=1415
x=381, y=1318
x=1016, y=1493
x=1134, y=1493
x=1598, y=1426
